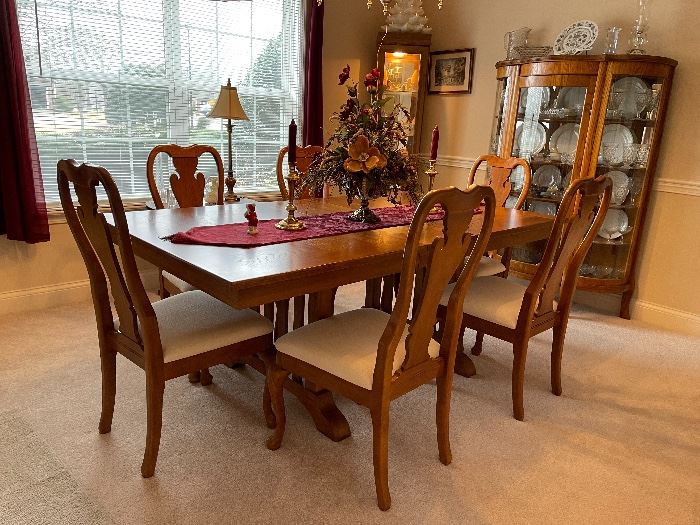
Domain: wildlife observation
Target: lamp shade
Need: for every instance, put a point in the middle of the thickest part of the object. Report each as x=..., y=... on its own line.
x=228, y=105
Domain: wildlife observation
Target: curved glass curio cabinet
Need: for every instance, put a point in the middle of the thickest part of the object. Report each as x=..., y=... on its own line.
x=584, y=116
x=403, y=63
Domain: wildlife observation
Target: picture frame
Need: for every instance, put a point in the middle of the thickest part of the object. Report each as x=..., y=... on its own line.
x=451, y=71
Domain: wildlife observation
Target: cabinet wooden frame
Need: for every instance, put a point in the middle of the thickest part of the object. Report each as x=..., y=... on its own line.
x=597, y=73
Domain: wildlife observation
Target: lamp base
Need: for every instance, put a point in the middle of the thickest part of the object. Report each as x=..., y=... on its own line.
x=230, y=194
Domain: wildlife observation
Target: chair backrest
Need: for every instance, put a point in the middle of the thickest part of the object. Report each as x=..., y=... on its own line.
x=580, y=215
x=305, y=156
x=96, y=243
x=500, y=171
x=433, y=269
x=187, y=184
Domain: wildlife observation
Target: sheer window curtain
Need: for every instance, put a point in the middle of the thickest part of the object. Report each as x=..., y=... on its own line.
x=23, y=214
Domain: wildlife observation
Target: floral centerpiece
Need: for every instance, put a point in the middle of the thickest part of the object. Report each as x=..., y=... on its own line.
x=366, y=155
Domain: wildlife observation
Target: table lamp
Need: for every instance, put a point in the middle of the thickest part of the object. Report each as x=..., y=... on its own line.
x=228, y=106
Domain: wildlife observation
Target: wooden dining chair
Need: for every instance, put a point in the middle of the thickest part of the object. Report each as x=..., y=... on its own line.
x=373, y=357
x=515, y=312
x=167, y=339
x=187, y=185
x=305, y=156
x=500, y=171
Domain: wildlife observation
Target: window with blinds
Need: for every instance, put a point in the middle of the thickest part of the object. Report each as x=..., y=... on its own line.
x=111, y=79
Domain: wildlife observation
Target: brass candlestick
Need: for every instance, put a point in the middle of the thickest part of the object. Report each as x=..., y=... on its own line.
x=291, y=223
x=432, y=172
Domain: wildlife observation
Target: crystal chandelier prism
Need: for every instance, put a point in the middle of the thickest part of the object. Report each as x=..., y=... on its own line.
x=385, y=4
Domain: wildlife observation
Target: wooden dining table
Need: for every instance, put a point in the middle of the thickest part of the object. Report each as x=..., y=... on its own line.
x=271, y=275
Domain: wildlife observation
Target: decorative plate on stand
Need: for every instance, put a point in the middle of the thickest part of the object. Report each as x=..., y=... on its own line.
x=577, y=38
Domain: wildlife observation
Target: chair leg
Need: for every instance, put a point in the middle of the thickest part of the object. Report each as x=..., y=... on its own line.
x=519, y=357
x=442, y=409
x=194, y=377
x=380, y=442
x=205, y=378
x=109, y=389
x=154, y=407
x=478, y=343
x=558, y=335
x=275, y=379
x=162, y=290
x=270, y=419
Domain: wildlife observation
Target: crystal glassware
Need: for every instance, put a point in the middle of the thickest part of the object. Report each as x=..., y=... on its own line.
x=567, y=157
x=630, y=152
x=612, y=154
x=615, y=103
x=641, y=100
x=643, y=155
x=638, y=38
x=612, y=40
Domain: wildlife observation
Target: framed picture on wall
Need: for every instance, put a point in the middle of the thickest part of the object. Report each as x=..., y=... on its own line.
x=451, y=71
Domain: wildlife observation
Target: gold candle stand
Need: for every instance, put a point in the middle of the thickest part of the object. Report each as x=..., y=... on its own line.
x=432, y=172
x=291, y=223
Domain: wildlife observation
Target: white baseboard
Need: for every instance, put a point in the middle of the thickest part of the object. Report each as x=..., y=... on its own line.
x=40, y=297
x=60, y=294
x=665, y=317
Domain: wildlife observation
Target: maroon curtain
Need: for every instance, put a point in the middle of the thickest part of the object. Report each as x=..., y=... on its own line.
x=313, y=82
x=22, y=206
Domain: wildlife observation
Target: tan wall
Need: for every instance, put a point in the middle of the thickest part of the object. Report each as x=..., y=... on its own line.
x=668, y=291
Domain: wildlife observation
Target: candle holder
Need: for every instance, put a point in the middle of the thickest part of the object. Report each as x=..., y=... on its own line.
x=432, y=172
x=291, y=223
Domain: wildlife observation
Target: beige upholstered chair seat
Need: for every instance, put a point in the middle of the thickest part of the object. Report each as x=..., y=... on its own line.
x=194, y=322
x=345, y=345
x=181, y=285
x=488, y=266
x=493, y=299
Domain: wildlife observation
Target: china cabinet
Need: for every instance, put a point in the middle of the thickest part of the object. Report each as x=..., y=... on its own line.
x=584, y=116
x=403, y=62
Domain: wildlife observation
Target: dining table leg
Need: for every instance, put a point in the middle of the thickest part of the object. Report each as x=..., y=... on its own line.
x=327, y=417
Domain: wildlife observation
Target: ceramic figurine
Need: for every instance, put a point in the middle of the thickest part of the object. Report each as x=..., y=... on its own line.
x=252, y=217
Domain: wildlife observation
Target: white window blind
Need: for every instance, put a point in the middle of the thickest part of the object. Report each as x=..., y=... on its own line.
x=111, y=79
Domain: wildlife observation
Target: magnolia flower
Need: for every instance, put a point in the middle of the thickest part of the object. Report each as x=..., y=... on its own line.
x=363, y=157
x=344, y=75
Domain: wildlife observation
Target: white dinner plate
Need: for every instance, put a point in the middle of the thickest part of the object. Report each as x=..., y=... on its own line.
x=617, y=134
x=570, y=97
x=546, y=176
x=620, y=187
x=564, y=139
x=578, y=38
x=614, y=224
x=630, y=86
x=530, y=136
x=545, y=208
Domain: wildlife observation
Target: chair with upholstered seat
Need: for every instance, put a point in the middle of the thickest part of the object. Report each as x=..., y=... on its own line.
x=187, y=185
x=515, y=312
x=500, y=171
x=373, y=357
x=167, y=339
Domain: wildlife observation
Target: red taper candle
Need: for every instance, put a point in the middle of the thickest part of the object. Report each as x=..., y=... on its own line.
x=434, y=143
x=292, y=154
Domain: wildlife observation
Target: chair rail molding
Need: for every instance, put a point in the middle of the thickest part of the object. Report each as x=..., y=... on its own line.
x=662, y=185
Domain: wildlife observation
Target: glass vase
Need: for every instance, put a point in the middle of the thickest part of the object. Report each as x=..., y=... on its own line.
x=638, y=38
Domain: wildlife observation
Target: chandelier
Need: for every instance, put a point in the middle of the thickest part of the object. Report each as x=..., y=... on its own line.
x=385, y=4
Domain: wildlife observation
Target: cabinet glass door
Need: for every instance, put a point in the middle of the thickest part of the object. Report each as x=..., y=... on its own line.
x=628, y=135
x=498, y=128
x=401, y=84
x=547, y=135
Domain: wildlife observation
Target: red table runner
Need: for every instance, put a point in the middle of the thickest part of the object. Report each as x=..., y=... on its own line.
x=326, y=225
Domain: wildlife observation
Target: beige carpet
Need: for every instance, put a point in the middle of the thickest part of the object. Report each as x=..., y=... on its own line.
x=622, y=445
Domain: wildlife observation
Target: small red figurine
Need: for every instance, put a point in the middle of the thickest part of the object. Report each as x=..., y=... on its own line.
x=252, y=219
